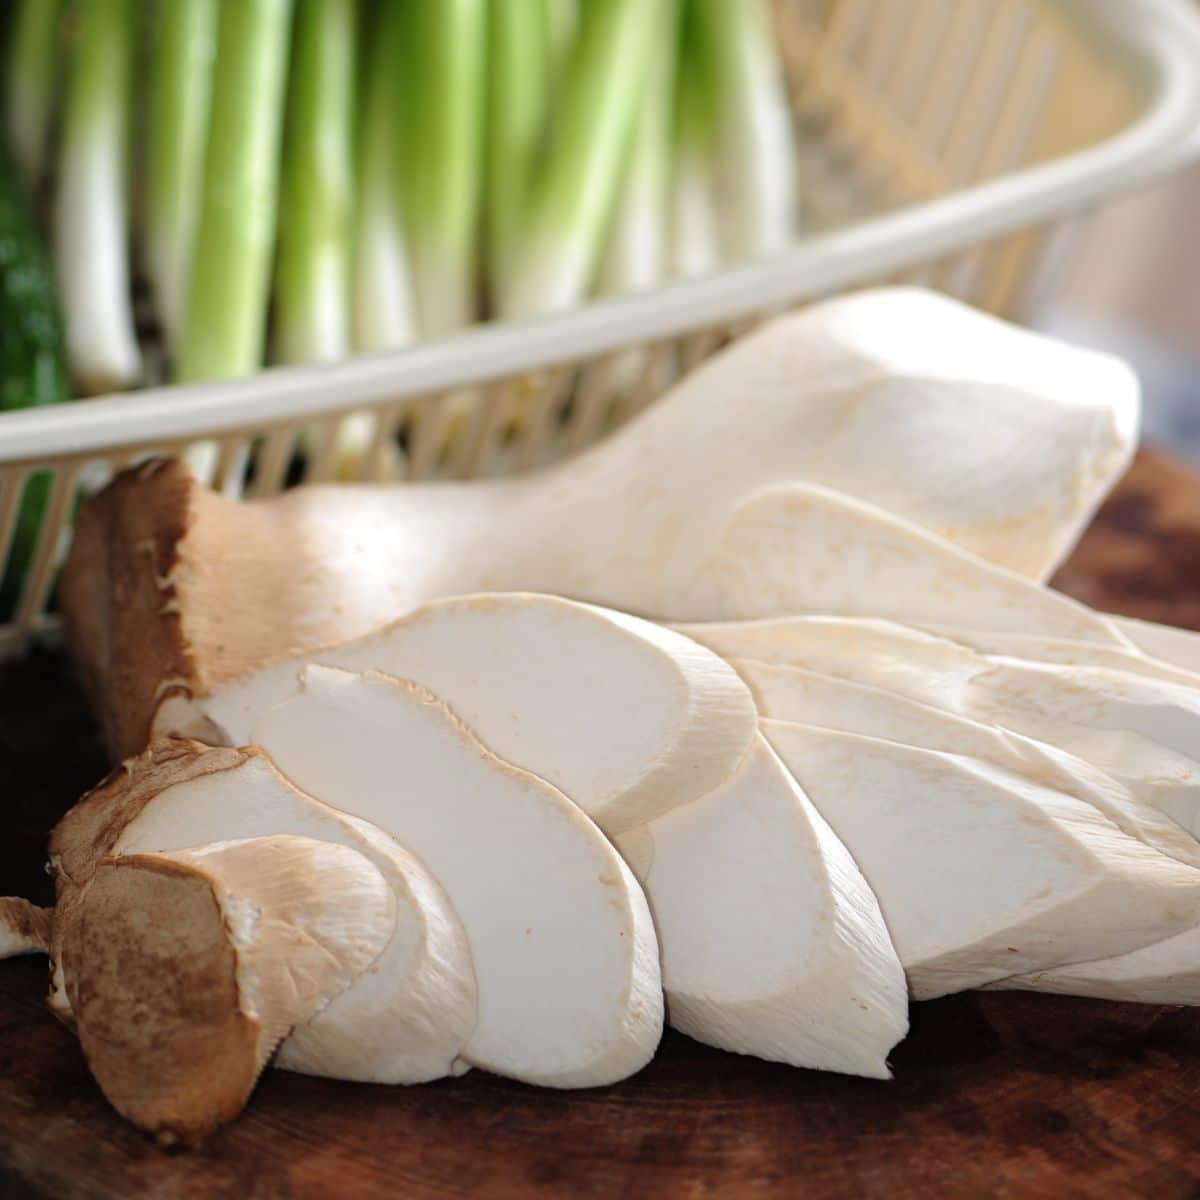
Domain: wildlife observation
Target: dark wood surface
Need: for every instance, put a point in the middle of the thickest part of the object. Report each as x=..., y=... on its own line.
x=999, y=1094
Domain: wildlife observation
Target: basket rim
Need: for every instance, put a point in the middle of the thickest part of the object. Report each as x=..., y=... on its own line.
x=1159, y=40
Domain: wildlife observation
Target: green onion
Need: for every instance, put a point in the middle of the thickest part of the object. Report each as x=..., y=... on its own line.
x=383, y=304
x=32, y=70
x=177, y=130
x=636, y=257
x=312, y=296
x=442, y=151
x=519, y=79
x=570, y=201
x=560, y=19
x=365, y=172
x=225, y=319
x=695, y=223
x=91, y=229
x=755, y=146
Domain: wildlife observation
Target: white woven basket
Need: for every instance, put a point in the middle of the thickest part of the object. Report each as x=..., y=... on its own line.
x=956, y=143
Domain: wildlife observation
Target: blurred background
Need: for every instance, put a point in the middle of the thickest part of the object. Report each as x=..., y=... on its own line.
x=1133, y=287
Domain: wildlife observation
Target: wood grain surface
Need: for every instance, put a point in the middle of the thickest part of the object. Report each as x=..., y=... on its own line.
x=998, y=1094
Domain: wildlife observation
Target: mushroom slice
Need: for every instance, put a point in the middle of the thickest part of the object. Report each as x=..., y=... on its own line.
x=809, y=698
x=1143, y=732
x=827, y=643
x=404, y=1021
x=1166, y=972
x=1180, y=647
x=186, y=970
x=1067, y=652
x=563, y=945
x=772, y=943
x=800, y=548
x=627, y=718
x=982, y=874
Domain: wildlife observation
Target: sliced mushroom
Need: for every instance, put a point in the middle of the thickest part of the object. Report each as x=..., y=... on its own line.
x=794, y=695
x=799, y=548
x=403, y=1022
x=626, y=717
x=563, y=945
x=186, y=970
x=1143, y=732
x=1065, y=651
x=772, y=943
x=1167, y=972
x=1180, y=647
x=982, y=874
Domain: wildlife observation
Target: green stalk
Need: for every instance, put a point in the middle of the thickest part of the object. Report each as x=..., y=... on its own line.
x=756, y=150
x=560, y=18
x=177, y=130
x=442, y=152
x=695, y=222
x=92, y=220
x=383, y=304
x=32, y=71
x=636, y=255
x=570, y=201
x=225, y=319
x=312, y=299
x=519, y=78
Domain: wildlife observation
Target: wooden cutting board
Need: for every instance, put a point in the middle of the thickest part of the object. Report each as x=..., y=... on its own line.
x=998, y=1094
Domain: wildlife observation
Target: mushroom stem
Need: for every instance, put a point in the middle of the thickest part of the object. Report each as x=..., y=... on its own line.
x=24, y=928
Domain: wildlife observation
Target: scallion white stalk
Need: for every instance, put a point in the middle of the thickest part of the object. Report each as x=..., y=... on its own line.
x=177, y=130
x=756, y=175
x=312, y=296
x=91, y=244
x=33, y=58
x=383, y=302
x=225, y=319
x=441, y=168
x=570, y=201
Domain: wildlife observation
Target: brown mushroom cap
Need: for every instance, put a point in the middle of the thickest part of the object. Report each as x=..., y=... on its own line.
x=152, y=980
x=186, y=970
